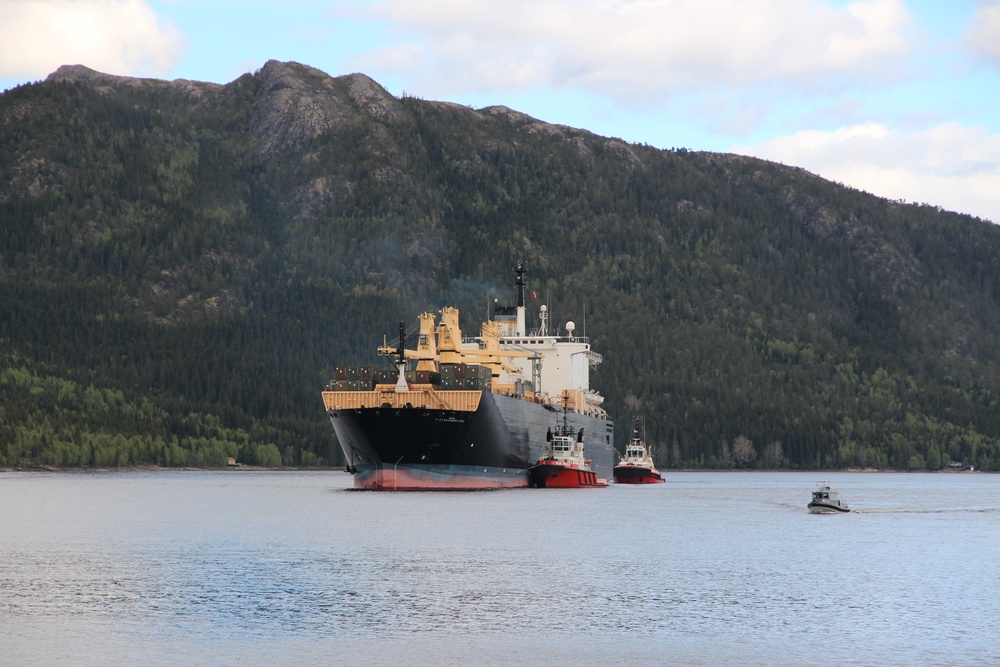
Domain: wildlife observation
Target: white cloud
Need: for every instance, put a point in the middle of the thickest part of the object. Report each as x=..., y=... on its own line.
x=640, y=50
x=114, y=36
x=949, y=165
x=983, y=38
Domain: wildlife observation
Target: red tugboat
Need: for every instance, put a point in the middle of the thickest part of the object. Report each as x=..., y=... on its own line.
x=636, y=467
x=563, y=464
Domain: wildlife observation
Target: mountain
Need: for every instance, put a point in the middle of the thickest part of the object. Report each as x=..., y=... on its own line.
x=183, y=264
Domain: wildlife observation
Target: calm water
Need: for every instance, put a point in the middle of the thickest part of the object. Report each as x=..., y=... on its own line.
x=247, y=568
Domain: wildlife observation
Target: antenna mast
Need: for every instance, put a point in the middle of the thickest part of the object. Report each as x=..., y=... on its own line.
x=519, y=286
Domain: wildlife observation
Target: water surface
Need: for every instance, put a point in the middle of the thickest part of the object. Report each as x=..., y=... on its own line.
x=265, y=568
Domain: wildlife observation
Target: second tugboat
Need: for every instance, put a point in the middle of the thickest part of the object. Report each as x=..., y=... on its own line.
x=636, y=467
x=563, y=464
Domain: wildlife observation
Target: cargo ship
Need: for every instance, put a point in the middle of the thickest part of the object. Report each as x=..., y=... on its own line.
x=458, y=413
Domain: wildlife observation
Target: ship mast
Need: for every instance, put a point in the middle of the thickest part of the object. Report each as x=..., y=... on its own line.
x=520, y=285
x=401, y=359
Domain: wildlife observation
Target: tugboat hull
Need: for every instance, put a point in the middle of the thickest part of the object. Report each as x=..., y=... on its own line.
x=556, y=476
x=637, y=475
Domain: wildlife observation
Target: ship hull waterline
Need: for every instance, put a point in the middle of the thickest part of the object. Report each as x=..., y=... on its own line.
x=419, y=477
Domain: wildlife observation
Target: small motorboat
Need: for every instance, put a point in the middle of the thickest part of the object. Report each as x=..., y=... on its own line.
x=826, y=500
x=636, y=467
x=562, y=464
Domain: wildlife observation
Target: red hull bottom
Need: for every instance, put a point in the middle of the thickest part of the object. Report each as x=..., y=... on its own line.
x=555, y=476
x=636, y=475
x=429, y=479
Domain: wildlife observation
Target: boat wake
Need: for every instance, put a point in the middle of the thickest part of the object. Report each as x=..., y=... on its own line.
x=956, y=510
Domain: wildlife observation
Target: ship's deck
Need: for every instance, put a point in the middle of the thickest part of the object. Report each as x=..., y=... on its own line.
x=419, y=396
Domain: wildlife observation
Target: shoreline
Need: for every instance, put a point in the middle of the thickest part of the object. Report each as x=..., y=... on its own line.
x=153, y=468
x=253, y=468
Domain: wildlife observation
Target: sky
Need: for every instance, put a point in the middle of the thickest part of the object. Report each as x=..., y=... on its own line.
x=899, y=98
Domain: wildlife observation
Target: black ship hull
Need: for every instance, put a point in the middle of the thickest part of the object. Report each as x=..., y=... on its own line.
x=403, y=448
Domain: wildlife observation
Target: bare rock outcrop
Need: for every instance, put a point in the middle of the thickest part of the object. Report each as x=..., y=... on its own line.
x=298, y=104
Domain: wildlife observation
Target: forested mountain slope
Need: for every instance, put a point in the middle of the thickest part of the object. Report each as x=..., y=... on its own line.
x=183, y=264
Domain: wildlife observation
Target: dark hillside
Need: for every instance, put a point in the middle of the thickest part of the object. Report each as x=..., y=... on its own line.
x=183, y=264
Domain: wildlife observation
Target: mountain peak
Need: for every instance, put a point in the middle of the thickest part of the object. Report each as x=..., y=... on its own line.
x=101, y=80
x=298, y=102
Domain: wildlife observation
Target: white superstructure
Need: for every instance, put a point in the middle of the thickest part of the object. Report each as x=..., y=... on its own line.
x=556, y=367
